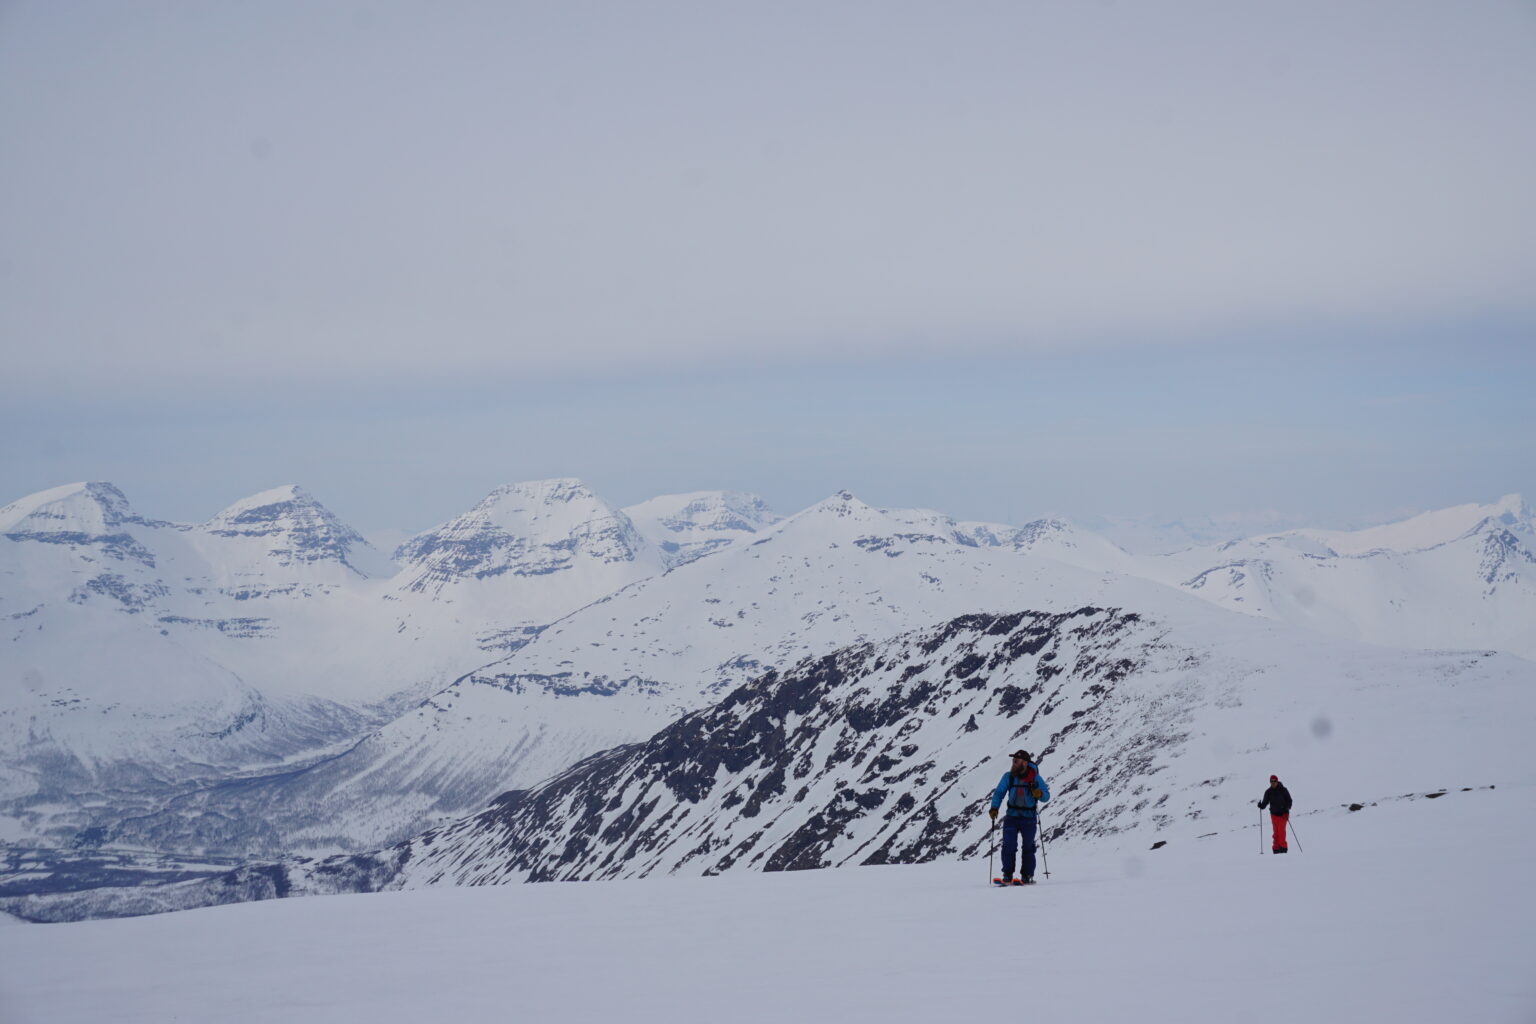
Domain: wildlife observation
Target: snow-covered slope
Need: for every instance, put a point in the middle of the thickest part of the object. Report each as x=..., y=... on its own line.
x=107, y=729
x=685, y=527
x=110, y=631
x=887, y=753
x=835, y=573
x=1463, y=578
x=1428, y=530
x=1198, y=930
x=212, y=587
x=156, y=659
x=620, y=668
x=1066, y=542
x=549, y=543
x=615, y=671
x=283, y=527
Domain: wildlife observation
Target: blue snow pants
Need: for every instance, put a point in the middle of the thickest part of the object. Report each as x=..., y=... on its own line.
x=1016, y=828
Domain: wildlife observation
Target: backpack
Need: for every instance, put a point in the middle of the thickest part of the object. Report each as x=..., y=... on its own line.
x=1021, y=788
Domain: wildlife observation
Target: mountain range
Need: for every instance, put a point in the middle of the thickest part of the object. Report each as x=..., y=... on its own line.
x=267, y=684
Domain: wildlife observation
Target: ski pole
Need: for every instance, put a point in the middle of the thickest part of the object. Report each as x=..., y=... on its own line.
x=1293, y=834
x=1261, y=831
x=1044, y=863
x=991, y=850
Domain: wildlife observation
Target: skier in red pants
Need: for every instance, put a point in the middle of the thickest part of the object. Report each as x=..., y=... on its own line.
x=1278, y=799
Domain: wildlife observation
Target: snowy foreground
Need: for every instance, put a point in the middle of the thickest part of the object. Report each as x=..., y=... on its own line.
x=1408, y=910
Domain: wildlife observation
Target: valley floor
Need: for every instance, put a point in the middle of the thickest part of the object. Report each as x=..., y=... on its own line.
x=1411, y=910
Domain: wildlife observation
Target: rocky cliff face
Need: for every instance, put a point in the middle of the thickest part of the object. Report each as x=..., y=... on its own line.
x=880, y=753
x=292, y=528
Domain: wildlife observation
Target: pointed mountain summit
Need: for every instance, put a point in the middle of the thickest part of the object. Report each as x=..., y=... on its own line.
x=95, y=509
x=844, y=518
x=531, y=530
x=84, y=515
x=1510, y=513
x=686, y=527
x=295, y=529
x=1067, y=542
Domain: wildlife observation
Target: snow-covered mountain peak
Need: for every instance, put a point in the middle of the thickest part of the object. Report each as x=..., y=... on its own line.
x=1427, y=530
x=1512, y=510
x=537, y=508
x=295, y=529
x=844, y=506
x=94, y=509
x=1067, y=542
x=532, y=529
x=842, y=503
x=89, y=520
x=689, y=526
x=1045, y=533
x=721, y=510
x=844, y=519
x=254, y=506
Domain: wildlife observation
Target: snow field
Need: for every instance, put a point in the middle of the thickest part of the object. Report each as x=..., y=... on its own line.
x=1410, y=910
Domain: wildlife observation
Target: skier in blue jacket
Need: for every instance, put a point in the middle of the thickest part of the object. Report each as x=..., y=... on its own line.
x=1025, y=790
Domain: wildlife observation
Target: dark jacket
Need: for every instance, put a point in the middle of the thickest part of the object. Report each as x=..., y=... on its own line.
x=1278, y=798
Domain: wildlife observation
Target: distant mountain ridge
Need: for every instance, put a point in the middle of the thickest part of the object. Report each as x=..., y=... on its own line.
x=266, y=681
x=531, y=530
x=1458, y=578
x=258, y=641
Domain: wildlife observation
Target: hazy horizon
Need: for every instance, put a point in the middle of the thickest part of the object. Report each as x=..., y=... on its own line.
x=1001, y=260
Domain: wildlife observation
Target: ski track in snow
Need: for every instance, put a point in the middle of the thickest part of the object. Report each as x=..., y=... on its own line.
x=1408, y=911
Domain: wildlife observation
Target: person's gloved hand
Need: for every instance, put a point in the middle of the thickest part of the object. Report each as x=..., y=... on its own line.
x=1259, y=804
x=1035, y=792
x=992, y=813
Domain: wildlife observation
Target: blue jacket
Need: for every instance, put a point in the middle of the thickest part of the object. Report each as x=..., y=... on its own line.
x=1020, y=803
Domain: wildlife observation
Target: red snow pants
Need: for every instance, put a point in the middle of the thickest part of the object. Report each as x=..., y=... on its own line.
x=1279, y=820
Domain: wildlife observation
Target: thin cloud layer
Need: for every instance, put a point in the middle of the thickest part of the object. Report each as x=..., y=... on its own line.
x=225, y=192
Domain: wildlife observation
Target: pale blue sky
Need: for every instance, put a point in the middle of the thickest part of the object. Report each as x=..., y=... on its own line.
x=1311, y=431
x=997, y=258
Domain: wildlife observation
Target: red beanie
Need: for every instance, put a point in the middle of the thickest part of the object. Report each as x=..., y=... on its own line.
x=1274, y=778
